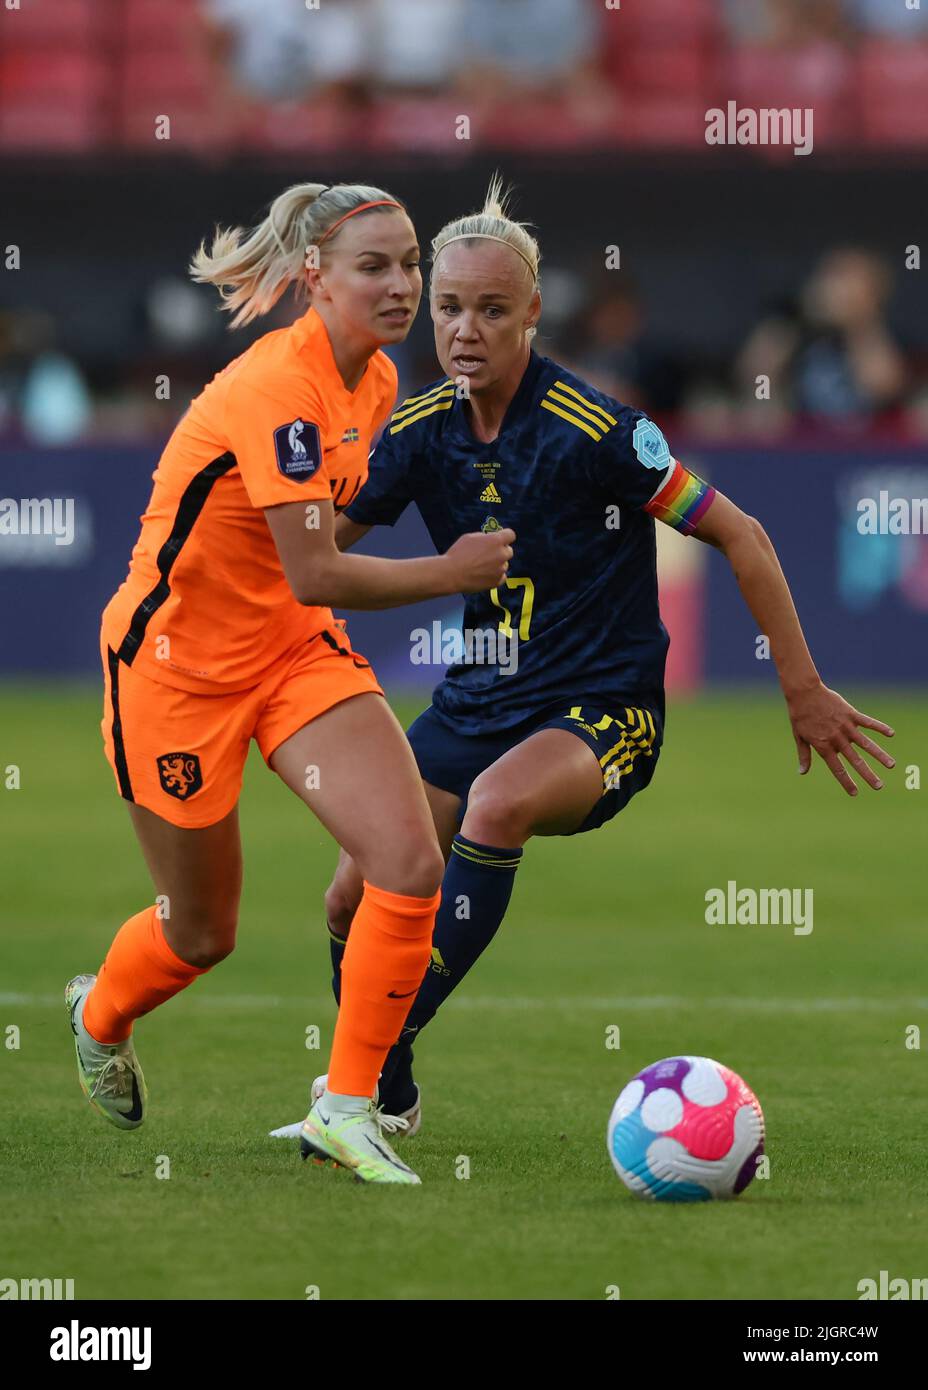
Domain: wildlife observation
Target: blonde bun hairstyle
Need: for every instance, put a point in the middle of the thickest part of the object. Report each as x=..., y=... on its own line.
x=493, y=223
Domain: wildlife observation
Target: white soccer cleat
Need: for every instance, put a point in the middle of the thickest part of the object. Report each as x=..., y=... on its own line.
x=355, y=1139
x=287, y=1131
x=316, y=1091
x=109, y=1073
x=412, y=1116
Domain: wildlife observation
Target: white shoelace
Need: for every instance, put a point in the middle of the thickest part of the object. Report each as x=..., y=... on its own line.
x=110, y=1081
x=389, y=1124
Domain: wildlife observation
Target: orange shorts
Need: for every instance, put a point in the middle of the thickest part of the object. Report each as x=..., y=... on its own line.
x=182, y=755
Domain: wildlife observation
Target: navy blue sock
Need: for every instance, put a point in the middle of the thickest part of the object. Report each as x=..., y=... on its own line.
x=475, y=894
x=337, y=946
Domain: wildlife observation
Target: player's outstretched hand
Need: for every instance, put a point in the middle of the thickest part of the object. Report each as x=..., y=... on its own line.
x=480, y=560
x=822, y=719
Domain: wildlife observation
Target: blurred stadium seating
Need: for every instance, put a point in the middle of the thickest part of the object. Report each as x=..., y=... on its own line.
x=598, y=115
x=92, y=75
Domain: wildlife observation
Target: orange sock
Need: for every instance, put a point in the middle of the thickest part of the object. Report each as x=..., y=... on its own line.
x=139, y=973
x=384, y=962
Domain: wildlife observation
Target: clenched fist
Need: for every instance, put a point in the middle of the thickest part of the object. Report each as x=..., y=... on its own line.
x=480, y=560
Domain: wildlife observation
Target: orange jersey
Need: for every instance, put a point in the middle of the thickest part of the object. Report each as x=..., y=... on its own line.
x=206, y=606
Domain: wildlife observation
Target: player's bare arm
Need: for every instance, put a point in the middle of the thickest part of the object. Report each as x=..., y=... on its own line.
x=348, y=532
x=321, y=575
x=820, y=718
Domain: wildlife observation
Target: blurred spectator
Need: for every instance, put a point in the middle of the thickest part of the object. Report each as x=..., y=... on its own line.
x=530, y=43
x=916, y=413
x=708, y=409
x=9, y=377
x=789, y=24
x=636, y=76
x=278, y=50
x=178, y=314
x=56, y=406
x=41, y=388
x=797, y=53
x=416, y=44
x=609, y=344
x=748, y=21
x=832, y=355
x=892, y=18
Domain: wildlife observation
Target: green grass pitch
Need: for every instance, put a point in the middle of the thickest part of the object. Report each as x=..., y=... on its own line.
x=605, y=929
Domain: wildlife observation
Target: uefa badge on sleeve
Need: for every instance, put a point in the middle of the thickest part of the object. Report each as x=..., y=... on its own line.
x=650, y=445
x=298, y=449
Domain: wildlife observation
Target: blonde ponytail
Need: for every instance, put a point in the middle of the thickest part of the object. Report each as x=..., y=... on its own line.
x=251, y=270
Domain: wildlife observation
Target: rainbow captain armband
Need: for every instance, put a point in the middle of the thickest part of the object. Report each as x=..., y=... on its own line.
x=681, y=499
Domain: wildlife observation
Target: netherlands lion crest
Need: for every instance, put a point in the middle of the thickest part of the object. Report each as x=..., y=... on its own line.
x=180, y=774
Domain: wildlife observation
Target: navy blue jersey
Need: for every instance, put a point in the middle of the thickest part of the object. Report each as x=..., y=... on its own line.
x=579, y=478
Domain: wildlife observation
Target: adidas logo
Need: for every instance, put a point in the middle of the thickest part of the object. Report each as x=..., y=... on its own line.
x=437, y=964
x=490, y=494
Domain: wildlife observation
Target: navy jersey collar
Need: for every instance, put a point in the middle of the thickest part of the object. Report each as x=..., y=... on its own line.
x=514, y=410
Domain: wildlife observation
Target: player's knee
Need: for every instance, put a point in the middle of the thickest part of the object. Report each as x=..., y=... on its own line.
x=210, y=953
x=203, y=937
x=413, y=870
x=340, y=906
x=496, y=814
x=426, y=873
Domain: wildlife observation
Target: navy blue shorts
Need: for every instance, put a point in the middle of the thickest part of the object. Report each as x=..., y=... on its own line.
x=626, y=740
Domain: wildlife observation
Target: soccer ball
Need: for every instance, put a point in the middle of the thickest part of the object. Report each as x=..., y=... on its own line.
x=684, y=1130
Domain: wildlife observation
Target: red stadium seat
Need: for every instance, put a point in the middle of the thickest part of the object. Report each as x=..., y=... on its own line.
x=663, y=54
x=165, y=84
x=51, y=100
x=419, y=123
x=146, y=74
x=820, y=76
x=152, y=24
x=321, y=125
x=663, y=121
x=559, y=128
x=644, y=28
x=50, y=75
x=34, y=126
x=192, y=126
x=665, y=91
x=55, y=23
x=893, y=81
x=673, y=70
x=665, y=21
x=762, y=76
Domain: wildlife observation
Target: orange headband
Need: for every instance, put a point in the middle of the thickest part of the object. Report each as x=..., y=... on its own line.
x=378, y=203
